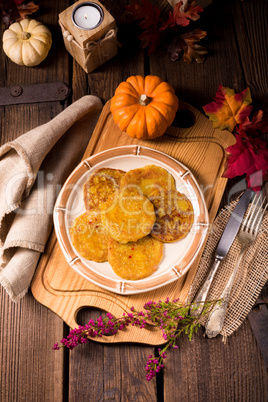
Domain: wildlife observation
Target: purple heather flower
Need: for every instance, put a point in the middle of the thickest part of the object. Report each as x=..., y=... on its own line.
x=164, y=315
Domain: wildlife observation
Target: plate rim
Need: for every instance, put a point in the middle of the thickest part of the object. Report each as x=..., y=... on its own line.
x=122, y=286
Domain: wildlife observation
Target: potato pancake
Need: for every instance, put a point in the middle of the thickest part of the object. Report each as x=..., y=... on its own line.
x=128, y=215
x=149, y=178
x=134, y=261
x=100, y=186
x=89, y=237
x=174, y=215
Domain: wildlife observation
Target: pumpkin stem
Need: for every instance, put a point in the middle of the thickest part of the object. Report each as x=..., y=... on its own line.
x=25, y=35
x=144, y=100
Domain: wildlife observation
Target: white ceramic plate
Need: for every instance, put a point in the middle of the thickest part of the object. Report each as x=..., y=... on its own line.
x=178, y=256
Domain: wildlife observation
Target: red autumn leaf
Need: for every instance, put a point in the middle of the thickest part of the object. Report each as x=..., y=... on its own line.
x=170, y=22
x=150, y=21
x=258, y=124
x=248, y=156
x=182, y=15
x=135, y=9
x=151, y=15
x=150, y=38
x=228, y=108
x=140, y=9
x=191, y=10
x=188, y=44
x=144, y=10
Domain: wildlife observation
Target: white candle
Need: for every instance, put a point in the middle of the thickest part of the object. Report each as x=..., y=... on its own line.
x=87, y=15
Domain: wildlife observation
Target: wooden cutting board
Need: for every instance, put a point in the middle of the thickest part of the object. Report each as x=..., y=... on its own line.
x=57, y=286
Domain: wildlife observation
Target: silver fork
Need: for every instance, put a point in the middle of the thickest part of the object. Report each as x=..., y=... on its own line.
x=246, y=235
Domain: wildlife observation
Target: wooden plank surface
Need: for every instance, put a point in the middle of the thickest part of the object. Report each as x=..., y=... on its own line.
x=237, y=64
x=29, y=368
x=204, y=370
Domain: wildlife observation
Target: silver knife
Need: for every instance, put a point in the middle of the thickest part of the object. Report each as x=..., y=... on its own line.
x=222, y=249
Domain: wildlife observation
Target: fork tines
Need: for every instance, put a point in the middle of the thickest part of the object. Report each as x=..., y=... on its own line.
x=255, y=214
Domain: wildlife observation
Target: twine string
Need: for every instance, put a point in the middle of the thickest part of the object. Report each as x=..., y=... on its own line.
x=92, y=45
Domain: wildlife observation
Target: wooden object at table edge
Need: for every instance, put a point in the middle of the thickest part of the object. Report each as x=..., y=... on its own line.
x=57, y=286
x=90, y=47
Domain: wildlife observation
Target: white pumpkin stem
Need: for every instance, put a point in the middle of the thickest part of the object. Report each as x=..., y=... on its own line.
x=144, y=100
x=25, y=35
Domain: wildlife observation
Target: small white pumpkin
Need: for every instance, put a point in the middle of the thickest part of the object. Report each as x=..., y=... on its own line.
x=27, y=42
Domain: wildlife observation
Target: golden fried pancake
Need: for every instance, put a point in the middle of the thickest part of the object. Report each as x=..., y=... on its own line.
x=128, y=215
x=134, y=261
x=174, y=215
x=149, y=178
x=89, y=237
x=100, y=186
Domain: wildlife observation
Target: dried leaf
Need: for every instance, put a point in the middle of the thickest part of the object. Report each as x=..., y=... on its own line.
x=150, y=38
x=194, y=51
x=248, y=156
x=258, y=124
x=188, y=44
x=150, y=22
x=16, y=10
x=10, y=12
x=191, y=10
x=175, y=47
x=136, y=10
x=182, y=15
x=169, y=23
x=228, y=108
x=144, y=10
x=26, y=9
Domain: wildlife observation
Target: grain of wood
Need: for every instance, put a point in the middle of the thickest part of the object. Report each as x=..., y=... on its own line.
x=117, y=372
x=216, y=371
x=201, y=371
x=252, y=48
x=30, y=368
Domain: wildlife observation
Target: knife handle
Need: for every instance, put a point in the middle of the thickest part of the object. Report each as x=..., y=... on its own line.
x=217, y=316
x=203, y=292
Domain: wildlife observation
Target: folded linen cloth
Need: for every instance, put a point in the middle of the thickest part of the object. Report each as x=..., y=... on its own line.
x=33, y=168
x=251, y=276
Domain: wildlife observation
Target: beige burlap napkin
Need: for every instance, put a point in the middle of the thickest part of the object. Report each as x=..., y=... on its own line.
x=251, y=276
x=33, y=168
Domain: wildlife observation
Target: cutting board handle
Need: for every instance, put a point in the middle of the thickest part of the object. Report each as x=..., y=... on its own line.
x=147, y=335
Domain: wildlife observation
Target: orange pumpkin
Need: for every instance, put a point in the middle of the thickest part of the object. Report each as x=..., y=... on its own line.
x=144, y=106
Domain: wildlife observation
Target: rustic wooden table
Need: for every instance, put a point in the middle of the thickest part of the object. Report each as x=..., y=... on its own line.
x=203, y=370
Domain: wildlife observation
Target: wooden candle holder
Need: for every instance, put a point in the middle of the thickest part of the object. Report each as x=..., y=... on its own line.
x=89, y=47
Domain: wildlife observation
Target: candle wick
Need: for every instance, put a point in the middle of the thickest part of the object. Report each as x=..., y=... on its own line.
x=85, y=16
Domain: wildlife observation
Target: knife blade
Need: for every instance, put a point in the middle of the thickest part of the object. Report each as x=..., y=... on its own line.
x=226, y=240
